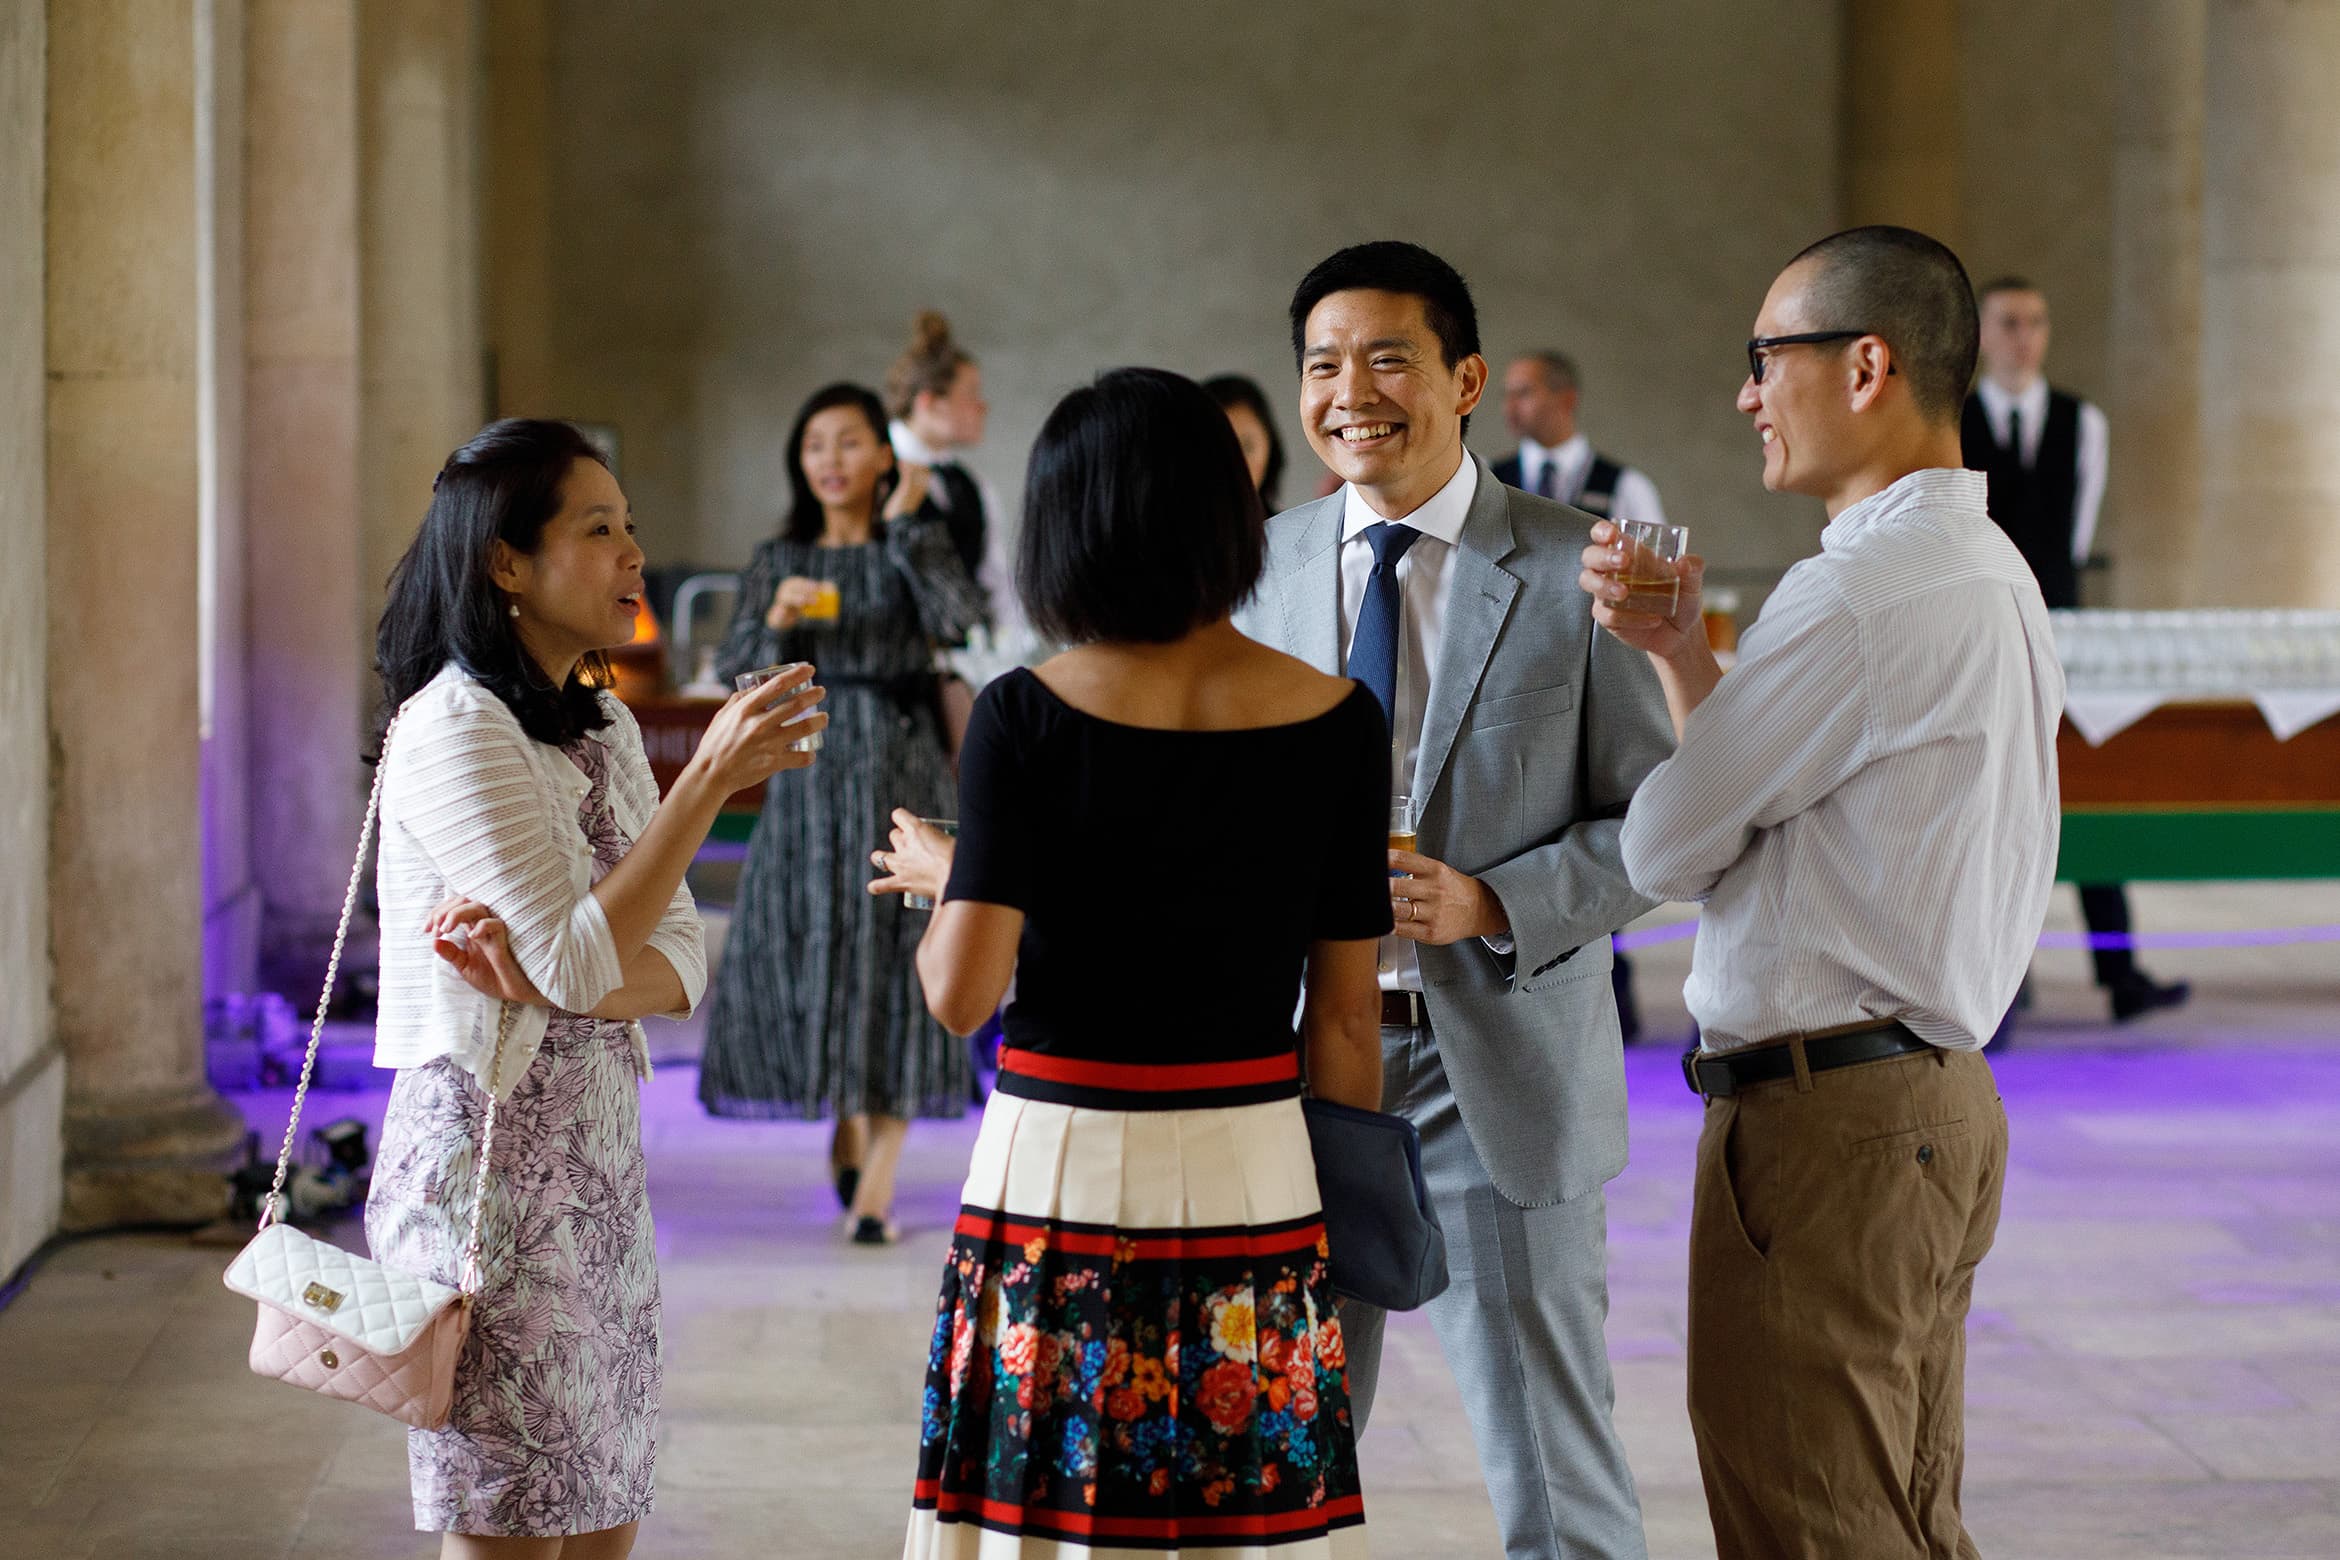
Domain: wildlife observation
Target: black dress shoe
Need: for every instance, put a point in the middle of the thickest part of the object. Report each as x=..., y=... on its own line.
x=2140, y=994
x=869, y=1230
x=848, y=1182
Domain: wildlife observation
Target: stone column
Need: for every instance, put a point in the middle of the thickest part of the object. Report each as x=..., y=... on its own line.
x=418, y=229
x=2271, y=304
x=145, y=1136
x=32, y=1068
x=303, y=531
x=1902, y=133
x=2153, y=390
x=517, y=219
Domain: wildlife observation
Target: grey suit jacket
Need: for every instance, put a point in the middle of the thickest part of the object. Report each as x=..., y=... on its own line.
x=1537, y=730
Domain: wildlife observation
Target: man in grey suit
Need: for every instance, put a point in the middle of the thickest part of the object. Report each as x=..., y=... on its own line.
x=1521, y=733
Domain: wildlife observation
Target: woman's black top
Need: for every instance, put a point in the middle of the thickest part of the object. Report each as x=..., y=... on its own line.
x=1171, y=881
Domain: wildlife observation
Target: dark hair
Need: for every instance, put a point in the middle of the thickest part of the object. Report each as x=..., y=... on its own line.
x=1559, y=368
x=1233, y=390
x=929, y=364
x=2000, y=284
x=1140, y=520
x=1389, y=265
x=805, y=518
x=502, y=486
x=1911, y=290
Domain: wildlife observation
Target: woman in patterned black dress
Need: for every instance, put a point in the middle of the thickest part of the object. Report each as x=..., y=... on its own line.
x=816, y=1007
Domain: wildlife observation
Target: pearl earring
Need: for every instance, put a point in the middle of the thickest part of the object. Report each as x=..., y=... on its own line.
x=514, y=609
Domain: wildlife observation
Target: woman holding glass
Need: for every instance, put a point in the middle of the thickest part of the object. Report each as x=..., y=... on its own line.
x=1136, y=1344
x=532, y=911
x=816, y=1008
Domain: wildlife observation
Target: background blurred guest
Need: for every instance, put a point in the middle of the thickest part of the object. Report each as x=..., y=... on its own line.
x=935, y=394
x=2045, y=451
x=1096, y=1364
x=816, y=1005
x=525, y=844
x=1541, y=392
x=1246, y=406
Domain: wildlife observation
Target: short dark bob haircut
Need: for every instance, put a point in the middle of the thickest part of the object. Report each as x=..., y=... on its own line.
x=1140, y=521
x=1387, y=265
x=1233, y=390
x=805, y=519
x=502, y=486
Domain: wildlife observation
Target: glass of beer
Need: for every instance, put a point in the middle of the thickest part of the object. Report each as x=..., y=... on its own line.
x=764, y=674
x=1652, y=555
x=1403, y=822
x=823, y=607
x=949, y=826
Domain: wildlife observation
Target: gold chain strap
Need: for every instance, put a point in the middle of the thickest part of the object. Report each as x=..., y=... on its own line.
x=269, y=1210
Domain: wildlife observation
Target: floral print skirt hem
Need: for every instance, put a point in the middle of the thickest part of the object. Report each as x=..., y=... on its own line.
x=555, y=1422
x=1135, y=1348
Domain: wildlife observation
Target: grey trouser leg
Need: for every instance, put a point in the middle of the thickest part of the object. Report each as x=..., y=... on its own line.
x=1521, y=1328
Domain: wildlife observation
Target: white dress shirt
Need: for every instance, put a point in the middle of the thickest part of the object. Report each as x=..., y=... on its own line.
x=472, y=805
x=1425, y=580
x=1637, y=496
x=997, y=572
x=2093, y=461
x=1866, y=803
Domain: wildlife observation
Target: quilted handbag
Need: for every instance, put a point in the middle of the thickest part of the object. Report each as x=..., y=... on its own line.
x=1387, y=1249
x=345, y=1325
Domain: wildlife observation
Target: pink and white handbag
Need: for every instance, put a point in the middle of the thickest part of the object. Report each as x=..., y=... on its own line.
x=345, y=1325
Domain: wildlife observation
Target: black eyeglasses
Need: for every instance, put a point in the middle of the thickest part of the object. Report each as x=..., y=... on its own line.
x=1758, y=345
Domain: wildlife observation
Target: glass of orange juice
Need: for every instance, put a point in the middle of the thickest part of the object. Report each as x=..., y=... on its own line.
x=824, y=606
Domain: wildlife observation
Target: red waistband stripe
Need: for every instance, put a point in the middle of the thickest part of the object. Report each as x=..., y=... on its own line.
x=1146, y=1078
x=949, y=1503
x=1167, y=1247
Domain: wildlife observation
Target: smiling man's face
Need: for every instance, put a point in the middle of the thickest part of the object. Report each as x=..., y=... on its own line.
x=1381, y=406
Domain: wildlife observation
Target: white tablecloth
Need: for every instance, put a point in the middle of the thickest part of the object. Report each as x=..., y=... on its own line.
x=2119, y=667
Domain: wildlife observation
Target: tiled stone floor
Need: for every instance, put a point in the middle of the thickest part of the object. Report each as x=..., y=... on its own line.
x=2155, y=1350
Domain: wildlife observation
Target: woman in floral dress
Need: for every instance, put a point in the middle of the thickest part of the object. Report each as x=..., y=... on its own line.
x=532, y=911
x=1136, y=1348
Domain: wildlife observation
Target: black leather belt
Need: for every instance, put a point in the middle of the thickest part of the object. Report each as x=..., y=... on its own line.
x=1404, y=1010
x=1718, y=1077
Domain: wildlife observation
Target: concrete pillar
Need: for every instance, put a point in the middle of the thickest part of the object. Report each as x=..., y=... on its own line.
x=2271, y=304
x=304, y=557
x=1901, y=128
x=517, y=215
x=32, y=1066
x=2152, y=393
x=145, y=1136
x=418, y=226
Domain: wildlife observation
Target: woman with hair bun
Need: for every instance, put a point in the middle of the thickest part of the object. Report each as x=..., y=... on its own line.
x=934, y=393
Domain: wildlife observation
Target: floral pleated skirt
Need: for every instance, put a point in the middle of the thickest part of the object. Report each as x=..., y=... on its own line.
x=1135, y=1351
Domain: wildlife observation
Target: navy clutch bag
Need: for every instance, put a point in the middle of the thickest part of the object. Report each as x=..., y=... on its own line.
x=1387, y=1248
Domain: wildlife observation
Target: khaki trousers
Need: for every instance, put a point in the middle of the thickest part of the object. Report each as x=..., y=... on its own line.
x=1837, y=1223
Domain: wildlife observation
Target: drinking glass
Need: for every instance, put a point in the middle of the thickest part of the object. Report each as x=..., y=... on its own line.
x=1403, y=823
x=824, y=606
x=764, y=674
x=1652, y=555
x=949, y=826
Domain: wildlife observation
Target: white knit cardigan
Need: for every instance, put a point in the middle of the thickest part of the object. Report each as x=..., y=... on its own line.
x=472, y=805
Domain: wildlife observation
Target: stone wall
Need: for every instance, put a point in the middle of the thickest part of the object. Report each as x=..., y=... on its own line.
x=32, y=1068
x=749, y=200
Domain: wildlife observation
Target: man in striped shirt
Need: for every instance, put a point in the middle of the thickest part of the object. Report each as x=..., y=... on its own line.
x=1866, y=808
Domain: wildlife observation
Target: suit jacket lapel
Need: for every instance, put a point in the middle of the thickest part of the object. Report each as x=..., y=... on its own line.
x=1479, y=597
x=1310, y=587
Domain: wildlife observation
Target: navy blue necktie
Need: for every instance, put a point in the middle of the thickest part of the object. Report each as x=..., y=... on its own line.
x=1373, y=647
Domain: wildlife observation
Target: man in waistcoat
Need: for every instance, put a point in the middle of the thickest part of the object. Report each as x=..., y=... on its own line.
x=2045, y=452
x=1554, y=461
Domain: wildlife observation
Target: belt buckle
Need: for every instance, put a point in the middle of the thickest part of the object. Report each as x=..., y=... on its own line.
x=1692, y=1060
